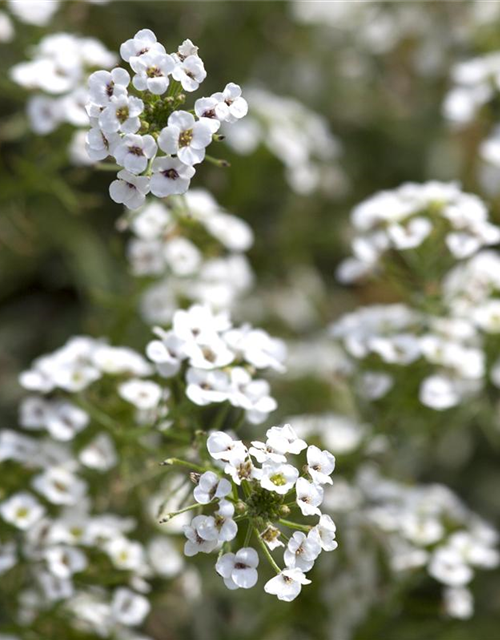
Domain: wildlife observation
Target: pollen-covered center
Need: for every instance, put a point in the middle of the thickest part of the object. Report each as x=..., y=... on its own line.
x=122, y=114
x=154, y=72
x=186, y=138
x=278, y=479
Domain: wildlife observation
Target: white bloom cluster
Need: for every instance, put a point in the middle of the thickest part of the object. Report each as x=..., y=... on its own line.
x=297, y=136
x=196, y=247
x=73, y=444
x=218, y=361
x=406, y=218
x=428, y=526
x=133, y=119
x=58, y=71
x=391, y=343
x=261, y=487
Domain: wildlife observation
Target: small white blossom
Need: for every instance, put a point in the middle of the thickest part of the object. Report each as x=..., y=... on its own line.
x=129, y=189
x=211, y=487
x=239, y=569
x=185, y=137
x=309, y=497
x=133, y=152
x=287, y=585
x=21, y=510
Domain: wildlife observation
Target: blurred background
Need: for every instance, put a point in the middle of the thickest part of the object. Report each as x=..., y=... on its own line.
x=362, y=91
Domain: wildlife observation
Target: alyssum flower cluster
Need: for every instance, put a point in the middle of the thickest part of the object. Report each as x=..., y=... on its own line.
x=139, y=122
x=257, y=488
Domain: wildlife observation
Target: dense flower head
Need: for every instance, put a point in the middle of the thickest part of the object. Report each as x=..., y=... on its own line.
x=259, y=487
x=415, y=218
x=58, y=73
x=217, y=361
x=427, y=526
x=194, y=250
x=167, y=141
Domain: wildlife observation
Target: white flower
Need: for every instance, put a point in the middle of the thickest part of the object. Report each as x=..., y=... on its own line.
x=205, y=387
x=278, y=477
x=129, y=190
x=287, y=585
x=285, y=440
x=129, y=608
x=309, y=497
x=100, y=454
x=231, y=106
x=103, y=85
x=209, y=351
x=221, y=526
x=44, y=114
x=15, y=446
x=34, y=11
x=320, y=464
x=239, y=569
x=152, y=71
x=251, y=395
x=185, y=137
x=167, y=353
x=210, y=487
x=164, y=557
x=144, y=394
x=143, y=42
x=121, y=114
x=125, y=554
x=410, y=235
x=60, y=486
x=487, y=316
x=134, y=151
x=447, y=566
x=187, y=48
x=182, y=256
x=325, y=532
x=63, y=562
x=100, y=145
x=439, y=392
x=195, y=543
x=302, y=551
x=206, y=108
x=257, y=347
x=190, y=72
x=458, y=602
x=221, y=446
x=21, y=510
x=170, y=177
x=64, y=420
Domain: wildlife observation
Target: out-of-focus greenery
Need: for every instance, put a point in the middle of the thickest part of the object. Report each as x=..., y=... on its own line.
x=63, y=269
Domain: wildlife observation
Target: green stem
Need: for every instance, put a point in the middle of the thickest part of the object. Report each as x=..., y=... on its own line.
x=266, y=551
x=248, y=536
x=295, y=525
x=183, y=463
x=196, y=505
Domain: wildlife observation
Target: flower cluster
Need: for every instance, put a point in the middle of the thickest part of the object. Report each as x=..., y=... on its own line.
x=413, y=217
x=133, y=119
x=218, y=361
x=428, y=526
x=259, y=486
x=195, y=247
x=59, y=71
x=72, y=444
x=298, y=137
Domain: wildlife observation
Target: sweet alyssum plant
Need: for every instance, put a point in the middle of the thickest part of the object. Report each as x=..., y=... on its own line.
x=84, y=495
